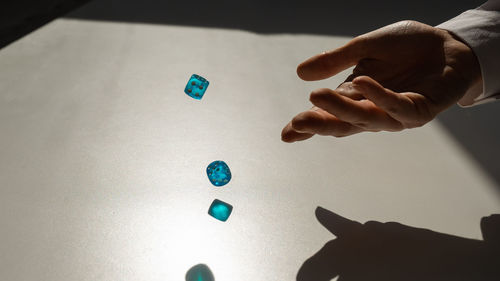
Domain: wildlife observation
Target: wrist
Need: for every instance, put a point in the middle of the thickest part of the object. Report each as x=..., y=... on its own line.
x=464, y=61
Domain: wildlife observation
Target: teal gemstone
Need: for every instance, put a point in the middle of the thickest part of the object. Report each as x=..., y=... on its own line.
x=199, y=272
x=218, y=173
x=196, y=87
x=220, y=210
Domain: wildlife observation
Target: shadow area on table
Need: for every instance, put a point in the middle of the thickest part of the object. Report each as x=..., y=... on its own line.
x=392, y=251
x=477, y=131
x=327, y=17
x=20, y=17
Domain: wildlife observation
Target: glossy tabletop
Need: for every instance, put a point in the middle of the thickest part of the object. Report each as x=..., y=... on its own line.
x=103, y=158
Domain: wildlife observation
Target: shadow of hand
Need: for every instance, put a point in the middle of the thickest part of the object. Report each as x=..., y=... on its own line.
x=392, y=251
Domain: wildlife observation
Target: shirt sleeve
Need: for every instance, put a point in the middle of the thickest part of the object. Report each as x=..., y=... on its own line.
x=480, y=29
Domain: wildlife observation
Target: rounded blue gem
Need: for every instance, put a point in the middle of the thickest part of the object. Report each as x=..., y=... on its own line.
x=218, y=173
x=199, y=272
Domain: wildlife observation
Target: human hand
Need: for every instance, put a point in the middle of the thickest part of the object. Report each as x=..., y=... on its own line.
x=404, y=75
x=393, y=252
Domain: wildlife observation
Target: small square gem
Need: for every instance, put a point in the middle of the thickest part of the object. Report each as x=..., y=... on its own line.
x=196, y=87
x=220, y=210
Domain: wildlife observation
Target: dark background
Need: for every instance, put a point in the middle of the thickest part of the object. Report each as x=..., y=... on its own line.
x=333, y=17
x=476, y=129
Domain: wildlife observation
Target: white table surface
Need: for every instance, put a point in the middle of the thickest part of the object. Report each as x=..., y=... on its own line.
x=103, y=157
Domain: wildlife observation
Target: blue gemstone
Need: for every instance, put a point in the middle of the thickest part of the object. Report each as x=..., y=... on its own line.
x=220, y=210
x=199, y=272
x=196, y=87
x=218, y=173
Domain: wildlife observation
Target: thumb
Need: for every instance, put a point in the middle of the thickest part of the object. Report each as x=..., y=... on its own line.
x=490, y=227
x=330, y=63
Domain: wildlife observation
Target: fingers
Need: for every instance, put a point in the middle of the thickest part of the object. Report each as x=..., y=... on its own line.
x=336, y=224
x=341, y=112
x=321, y=266
x=316, y=121
x=361, y=113
x=348, y=90
x=322, y=123
x=325, y=264
x=396, y=105
x=288, y=134
x=330, y=63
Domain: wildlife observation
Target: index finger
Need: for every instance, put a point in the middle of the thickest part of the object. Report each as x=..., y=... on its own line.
x=336, y=224
x=330, y=63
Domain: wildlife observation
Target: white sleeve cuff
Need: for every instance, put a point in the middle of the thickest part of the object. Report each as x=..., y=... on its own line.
x=480, y=29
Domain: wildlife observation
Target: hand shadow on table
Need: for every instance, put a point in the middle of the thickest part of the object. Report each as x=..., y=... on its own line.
x=392, y=251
